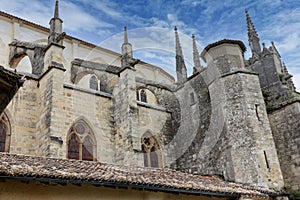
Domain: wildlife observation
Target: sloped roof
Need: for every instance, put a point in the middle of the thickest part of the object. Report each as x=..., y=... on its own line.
x=9, y=85
x=96, y=173
x=225, y=41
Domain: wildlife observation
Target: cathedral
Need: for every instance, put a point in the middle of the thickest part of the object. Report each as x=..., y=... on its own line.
x=78, y=121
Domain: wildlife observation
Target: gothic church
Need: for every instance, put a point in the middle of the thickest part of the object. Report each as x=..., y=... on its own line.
x=76, y=114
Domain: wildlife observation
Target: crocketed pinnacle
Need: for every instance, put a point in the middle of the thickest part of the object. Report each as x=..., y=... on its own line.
x=251, y=28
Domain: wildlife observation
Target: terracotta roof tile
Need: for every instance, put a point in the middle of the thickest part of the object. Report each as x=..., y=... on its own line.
x=85, y=172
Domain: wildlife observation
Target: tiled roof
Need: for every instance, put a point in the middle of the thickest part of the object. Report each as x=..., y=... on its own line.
x=96, y=173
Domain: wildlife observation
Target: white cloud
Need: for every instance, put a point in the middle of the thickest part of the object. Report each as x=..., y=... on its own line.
x=76, y=19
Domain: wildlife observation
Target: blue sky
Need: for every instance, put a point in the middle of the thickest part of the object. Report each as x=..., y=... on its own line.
x=150, y=24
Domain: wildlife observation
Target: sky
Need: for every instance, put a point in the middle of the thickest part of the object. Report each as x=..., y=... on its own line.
x=150, y=25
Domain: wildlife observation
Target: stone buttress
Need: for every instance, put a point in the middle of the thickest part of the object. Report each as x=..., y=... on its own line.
x=247, y=150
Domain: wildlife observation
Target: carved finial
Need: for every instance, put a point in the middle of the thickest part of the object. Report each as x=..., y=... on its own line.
x=251, y=28
x=196, y=57
x=180, y=65
x=56, y=11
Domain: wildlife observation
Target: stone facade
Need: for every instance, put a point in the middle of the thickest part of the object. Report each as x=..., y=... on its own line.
x=227, y=119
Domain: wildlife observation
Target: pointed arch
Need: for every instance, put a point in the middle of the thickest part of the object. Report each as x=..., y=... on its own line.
x=151, y=151
x=5, y=133
x=24, y=65
x=81, y=141
x=22, y=62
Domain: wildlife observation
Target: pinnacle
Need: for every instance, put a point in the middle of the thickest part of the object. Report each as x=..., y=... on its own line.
x=125, y=35
x=56, y=12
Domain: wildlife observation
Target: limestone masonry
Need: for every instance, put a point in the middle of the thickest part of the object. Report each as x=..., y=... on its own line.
x=236, y=118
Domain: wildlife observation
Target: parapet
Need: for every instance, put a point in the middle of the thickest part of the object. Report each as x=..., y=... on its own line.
x=232, y=52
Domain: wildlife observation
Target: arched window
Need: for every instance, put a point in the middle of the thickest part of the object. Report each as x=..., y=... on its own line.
x=146, y=96
x=151, y=151
x=4, y=133
x=94, y=83
x=143, y=96
x=81, y=142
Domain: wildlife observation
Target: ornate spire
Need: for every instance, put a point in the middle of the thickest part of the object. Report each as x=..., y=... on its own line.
x=180, y=65
x=196, y=57
x=127, y=57
x=250, y=26
x=126, y=47
x=252, y=37
x=56, y=13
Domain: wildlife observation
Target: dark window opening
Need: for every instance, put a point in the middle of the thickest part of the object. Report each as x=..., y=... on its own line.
x=257, y=111
x=87, y=149
x=153, y=158
x=94, y=83
x=73, y=147
x=137, y=95
x=143, y=96
x=192, y=96
x=266, y=159
x=2, y=137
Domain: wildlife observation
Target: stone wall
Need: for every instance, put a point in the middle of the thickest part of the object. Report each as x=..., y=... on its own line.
x=285, y=124
x=23, y=115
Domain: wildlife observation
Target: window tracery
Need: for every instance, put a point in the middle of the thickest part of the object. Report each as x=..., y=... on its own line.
x=152, y=153
x=81, y=142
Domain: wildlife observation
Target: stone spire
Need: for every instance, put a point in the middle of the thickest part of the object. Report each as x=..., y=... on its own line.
x=56, y=35
x=127, y=55
x=196, y=57
x=126, y=47
x=180, y=65
x=253, y=37
x=56, y=13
